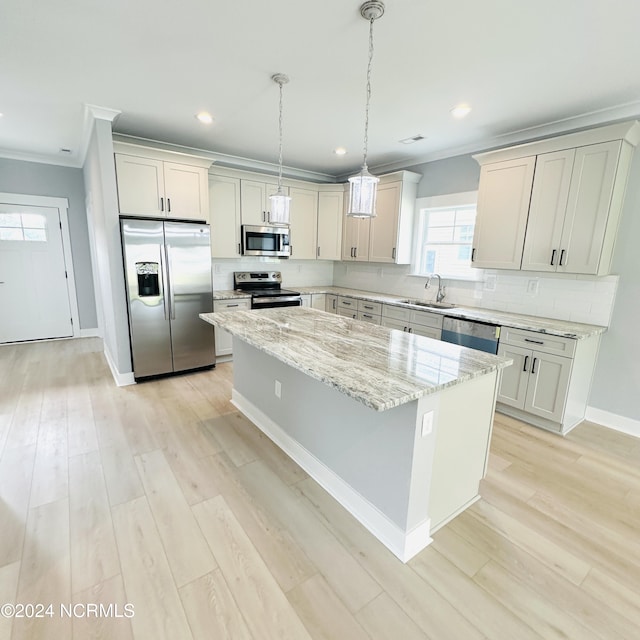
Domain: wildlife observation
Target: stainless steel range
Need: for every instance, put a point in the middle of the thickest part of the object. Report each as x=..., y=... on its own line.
x=266, y=289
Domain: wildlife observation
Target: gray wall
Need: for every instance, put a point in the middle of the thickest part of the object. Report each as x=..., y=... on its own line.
x=36, y=179
x=617, y=378
x=451, y=175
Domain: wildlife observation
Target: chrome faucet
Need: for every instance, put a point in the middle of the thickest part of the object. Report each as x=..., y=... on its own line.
x=441, y=290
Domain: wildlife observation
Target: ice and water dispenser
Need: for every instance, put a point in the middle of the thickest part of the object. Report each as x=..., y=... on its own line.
x=148, y=283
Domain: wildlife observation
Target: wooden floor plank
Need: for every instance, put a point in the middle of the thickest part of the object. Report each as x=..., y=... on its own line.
x=266, y=610
x=8, y=587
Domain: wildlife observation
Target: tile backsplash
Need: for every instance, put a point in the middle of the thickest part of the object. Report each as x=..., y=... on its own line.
x=577, y=298
x=295, y=273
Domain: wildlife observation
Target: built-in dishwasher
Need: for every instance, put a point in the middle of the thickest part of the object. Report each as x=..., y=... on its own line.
x=471, y=333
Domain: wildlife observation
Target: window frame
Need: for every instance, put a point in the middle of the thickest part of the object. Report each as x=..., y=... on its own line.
x=447, y=201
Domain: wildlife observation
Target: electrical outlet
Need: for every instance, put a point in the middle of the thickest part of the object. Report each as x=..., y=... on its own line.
x=532, y=287
x=380, y=272
x=278, y=389
x=490, y=283
x=427, y=423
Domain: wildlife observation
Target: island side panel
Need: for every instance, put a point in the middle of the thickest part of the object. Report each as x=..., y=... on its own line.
x=463, y=435
x=373, y=452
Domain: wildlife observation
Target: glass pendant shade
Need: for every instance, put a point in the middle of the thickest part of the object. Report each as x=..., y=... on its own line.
x=362, y=195
x=279, y=207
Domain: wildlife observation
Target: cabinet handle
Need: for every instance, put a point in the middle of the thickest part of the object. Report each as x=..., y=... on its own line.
x=232, y=305
x=534, y=341
x=318, y=252
x=404, y=328
x=526, y=360
x=355, y=252
x=366, y=315
x=473, y=254
x=168, y=205
x=348, y=304
x=290, y=250
x=239, y=250
x=553, y=258
x=161, y=204
x=366, y=306
x=334, y=303
x=393, y=253
x=533, y=366
x=410, y=329
x=562, y=257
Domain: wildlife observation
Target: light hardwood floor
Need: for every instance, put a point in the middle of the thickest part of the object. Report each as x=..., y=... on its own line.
x=162, y=496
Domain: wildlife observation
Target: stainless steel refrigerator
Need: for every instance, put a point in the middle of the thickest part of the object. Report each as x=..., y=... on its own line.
x=168, y=281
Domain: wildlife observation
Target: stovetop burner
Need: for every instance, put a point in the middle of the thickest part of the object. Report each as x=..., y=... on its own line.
x=265, y=289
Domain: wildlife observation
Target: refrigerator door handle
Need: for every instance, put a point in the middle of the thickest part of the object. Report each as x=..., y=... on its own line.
x=165, y=283
x=172, y=302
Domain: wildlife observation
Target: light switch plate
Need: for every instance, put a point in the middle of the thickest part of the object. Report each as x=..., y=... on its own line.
x=278, y=389
x=427, y=423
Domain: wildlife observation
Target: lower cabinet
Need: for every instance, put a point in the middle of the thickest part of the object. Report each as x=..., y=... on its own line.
x=548, y=383
x=318, y=301
x=422, y=323
x=331, y=303
x=224, y=341
x=306, y=299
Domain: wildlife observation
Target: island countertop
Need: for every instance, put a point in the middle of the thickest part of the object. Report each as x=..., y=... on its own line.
x=374, y=365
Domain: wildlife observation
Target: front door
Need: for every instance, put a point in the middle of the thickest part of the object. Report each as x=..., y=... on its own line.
x=34, y=297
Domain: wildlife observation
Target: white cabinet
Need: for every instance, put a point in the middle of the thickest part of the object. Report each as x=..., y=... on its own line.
x=306, y=299
x=303, y=223
x=422, y=323
x=554, y=205
x=150, y=185
x=388, y=236
x=330, y=214
x=548, y=383
x=331, y=303
x=255, y=206
x=224, y=340
x=347, y=307
x=319, y=301
x=224, y=216
x=503, y=207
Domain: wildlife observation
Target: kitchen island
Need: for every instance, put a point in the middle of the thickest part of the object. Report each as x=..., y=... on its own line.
x=393, y=425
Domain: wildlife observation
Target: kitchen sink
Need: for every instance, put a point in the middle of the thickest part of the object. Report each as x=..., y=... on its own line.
x=432, y=305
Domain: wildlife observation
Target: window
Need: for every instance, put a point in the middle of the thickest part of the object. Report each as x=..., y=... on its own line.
x=31, y=227
x=445, y=235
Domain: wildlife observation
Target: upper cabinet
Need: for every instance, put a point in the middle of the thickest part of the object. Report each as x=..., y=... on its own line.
x=159, y=183
x=224, y=216
x=254, y=201
x=554, y=205
x=388, y=236
x=303, y=223
x=330, y=214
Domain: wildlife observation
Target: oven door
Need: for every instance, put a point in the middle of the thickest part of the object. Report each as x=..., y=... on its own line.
x=272, y=302
x=265, y=241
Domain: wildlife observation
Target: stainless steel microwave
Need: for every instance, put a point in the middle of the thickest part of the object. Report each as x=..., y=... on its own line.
x=265, y=241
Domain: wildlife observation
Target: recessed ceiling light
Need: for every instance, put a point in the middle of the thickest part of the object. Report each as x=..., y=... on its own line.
x=204, y=117
x=460, y=111
x=340, y=151
x=412, y=139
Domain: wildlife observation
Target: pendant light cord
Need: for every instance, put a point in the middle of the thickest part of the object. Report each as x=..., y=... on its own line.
x=280, y=147
x=366, y=113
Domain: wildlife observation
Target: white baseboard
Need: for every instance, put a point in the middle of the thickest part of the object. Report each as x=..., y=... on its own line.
x=90, y=333
x=403, y=544
x=613, y=421
x=121, y=379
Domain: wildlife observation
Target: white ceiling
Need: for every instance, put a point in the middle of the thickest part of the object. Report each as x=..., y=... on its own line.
x=527, y=68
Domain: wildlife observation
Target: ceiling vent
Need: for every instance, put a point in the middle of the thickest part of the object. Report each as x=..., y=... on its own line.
x=412, y=139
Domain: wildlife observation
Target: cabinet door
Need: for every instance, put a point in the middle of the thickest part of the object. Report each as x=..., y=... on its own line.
x=503, y=207
x=428, y=332
x=513, y=385
x=140, y=186
x=331, y=303
x=252, y=202
x=224, y=340
x=548, y=386
x=383, y=235
x=592, y=183
x=186, y=191
x=306, y=299
x=304, y=224
x=330, y=212
x=318, y=301
x=224, y=215
x=547, y=210
x=395, y=324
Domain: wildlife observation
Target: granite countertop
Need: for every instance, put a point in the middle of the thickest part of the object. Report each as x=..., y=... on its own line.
x=376, y=366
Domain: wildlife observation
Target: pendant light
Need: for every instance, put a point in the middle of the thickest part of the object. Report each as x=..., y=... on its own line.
x=280, y=200
x=362, y=190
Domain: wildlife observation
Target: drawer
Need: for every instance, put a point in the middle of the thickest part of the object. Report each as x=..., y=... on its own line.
x=347, y=303
x=372, y=308
x=347, y=313
x=232, y=304
x=428, y=332
x=538, y=341
x=397, y=313
x=426, y=319
x=369, y=317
